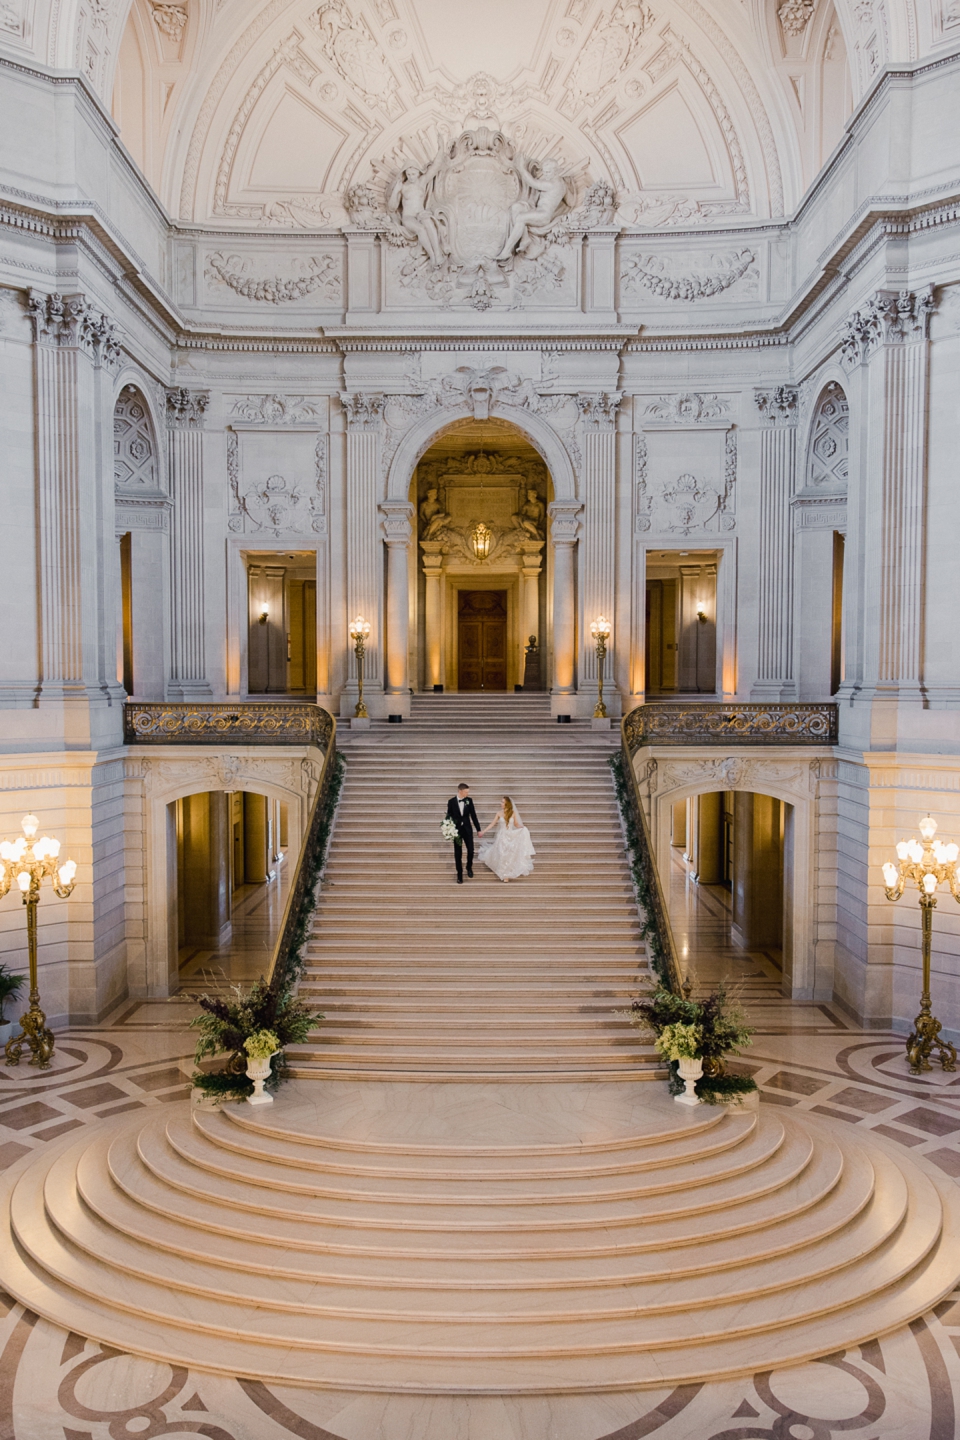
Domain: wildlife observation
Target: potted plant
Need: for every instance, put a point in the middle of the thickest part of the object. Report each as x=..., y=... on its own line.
x=10, y=987
x=681, y=1043
x=723, y=1031
x=225, y=1026
x=261, y=1048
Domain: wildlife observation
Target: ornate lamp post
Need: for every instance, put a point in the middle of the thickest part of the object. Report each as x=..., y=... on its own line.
x=929, y=864
x=28, y=861
x=600, y=630
x=359, y=630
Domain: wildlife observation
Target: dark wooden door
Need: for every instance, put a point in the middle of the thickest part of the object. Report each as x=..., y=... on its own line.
x=482, y=644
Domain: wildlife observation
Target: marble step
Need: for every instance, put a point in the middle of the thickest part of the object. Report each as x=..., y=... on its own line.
x=139, y=1243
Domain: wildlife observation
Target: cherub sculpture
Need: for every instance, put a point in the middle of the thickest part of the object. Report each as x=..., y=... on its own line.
x=433, y=517
x=408, y=202
x=550, y=186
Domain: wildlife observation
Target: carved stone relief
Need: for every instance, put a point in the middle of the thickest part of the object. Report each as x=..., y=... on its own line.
x=887, y=318
x=355, y=55
x=71, y=320
x=276, y=410
x=318, y=274
x=277, y=487
x=670, y=501
x=827, y=456
x=684, y=409
x=671, y=279
x=503, y=493
x=607, y=53
x=473, y=209
x=135, y=461
x=732, y=773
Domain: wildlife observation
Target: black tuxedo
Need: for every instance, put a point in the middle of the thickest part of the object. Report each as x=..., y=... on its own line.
x=466, y=823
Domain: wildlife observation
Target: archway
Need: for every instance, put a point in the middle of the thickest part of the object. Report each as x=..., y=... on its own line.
x=141, y=520
x=482, y=578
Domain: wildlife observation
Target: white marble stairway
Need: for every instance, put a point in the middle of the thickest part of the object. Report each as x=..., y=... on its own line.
x=464, y=1192
x=420, y=977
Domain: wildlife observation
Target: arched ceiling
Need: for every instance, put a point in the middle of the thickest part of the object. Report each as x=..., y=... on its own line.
x=262, y=113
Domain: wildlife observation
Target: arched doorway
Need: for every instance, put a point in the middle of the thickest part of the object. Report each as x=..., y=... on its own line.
x=483, y=569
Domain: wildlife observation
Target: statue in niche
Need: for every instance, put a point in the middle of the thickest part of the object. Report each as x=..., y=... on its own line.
x=531, y=516
x=531, y=665
x=433, y=517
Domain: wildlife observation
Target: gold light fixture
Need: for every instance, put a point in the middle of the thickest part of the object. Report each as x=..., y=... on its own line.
x=29, y=861
x=482, y=538
x=264, y=615
x=600, y=630
x=930, y=864
x=702, y=616
x=359, y=630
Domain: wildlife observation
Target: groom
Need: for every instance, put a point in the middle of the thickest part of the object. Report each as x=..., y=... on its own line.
x=460, y=810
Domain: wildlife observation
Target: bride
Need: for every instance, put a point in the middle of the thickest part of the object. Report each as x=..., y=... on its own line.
x=510, y=853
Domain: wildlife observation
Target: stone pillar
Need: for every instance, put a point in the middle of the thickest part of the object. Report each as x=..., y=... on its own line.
x=364, y=574
x=188, y=674
x=564, y=531
x=205, y=870
x=887, y=338
x=77, y=586
x=531, y=560
x=433, y=610
x=778, y=458
x=397, y=534
x=757, y=871
x=598, y=417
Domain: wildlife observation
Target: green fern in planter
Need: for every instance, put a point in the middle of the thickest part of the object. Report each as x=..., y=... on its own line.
x=10, y=987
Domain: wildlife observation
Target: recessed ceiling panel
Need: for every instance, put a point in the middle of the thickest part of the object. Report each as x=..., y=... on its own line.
x=497, y=36
x=667, y=146
x=296, y=149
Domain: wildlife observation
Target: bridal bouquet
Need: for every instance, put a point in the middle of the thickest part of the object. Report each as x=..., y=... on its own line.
x=449, y=830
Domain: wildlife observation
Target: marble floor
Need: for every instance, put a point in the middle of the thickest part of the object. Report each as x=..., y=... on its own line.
x=256, y=918
x=56, y=1385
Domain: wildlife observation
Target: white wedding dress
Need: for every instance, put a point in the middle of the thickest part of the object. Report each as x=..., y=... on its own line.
x=509, y=851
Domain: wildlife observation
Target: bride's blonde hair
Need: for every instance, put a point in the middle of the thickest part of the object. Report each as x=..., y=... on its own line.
x=507, y=809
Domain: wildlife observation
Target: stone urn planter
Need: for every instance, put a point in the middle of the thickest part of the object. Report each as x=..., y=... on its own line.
x=258, y=1071
x=690, y=1072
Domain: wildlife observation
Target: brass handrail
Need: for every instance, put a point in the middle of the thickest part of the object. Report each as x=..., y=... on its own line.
x=298, y=888
x=657, y=907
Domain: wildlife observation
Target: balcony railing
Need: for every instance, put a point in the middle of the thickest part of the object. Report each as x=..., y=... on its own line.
x=706, y=723
x=247, y=722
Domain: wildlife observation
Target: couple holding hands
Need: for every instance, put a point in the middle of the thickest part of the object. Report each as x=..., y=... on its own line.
x=509, y=853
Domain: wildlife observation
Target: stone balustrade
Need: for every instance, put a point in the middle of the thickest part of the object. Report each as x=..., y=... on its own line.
x=709, y=723
x=247, y=722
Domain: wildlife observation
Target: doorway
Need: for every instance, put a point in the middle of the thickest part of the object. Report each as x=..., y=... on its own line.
x=482, y=640
x=681, y=622
x=282, y=636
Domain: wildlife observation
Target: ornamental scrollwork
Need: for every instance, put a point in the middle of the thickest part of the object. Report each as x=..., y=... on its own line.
x=887, y=318
x=319, y=272
x=247, y=722
x=731, y=724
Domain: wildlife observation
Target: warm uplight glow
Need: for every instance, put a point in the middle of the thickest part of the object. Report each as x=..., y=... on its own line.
x=264, y=615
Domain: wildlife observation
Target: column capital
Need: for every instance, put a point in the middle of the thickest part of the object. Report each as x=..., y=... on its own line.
x=364, y=412
x=186, y=408
x=599, y=410
x=889, y=317
x=397, y=516
x=70, y=320
x=778, y=406
x=565, y=521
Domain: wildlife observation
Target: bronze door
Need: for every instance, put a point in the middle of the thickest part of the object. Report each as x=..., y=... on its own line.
x=482, y=640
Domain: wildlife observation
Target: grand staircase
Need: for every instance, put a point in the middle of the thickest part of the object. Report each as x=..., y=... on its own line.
x=422, y=978
x=382, y=1229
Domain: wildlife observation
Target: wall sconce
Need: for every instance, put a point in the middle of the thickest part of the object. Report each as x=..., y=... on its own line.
x=264, y=615
x=702, y=616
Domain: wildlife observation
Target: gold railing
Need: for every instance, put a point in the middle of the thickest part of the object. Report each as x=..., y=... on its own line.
x=247, y=722
x=710, y=723
x=652, y=896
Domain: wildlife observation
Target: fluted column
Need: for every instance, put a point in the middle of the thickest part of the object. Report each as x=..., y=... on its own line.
x=564, y=533
x=73, y=343
x=185, y=414
x=531, y=559
x=778, y=463
x=888, y=338
x=598, y=417
x=397, y=534
x=364, y=573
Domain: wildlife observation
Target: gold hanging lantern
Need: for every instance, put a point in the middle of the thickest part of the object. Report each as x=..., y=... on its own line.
x=482, y=537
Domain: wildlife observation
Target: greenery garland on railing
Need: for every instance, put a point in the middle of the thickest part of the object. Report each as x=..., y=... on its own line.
x=271, y=1004
x=649, y=929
